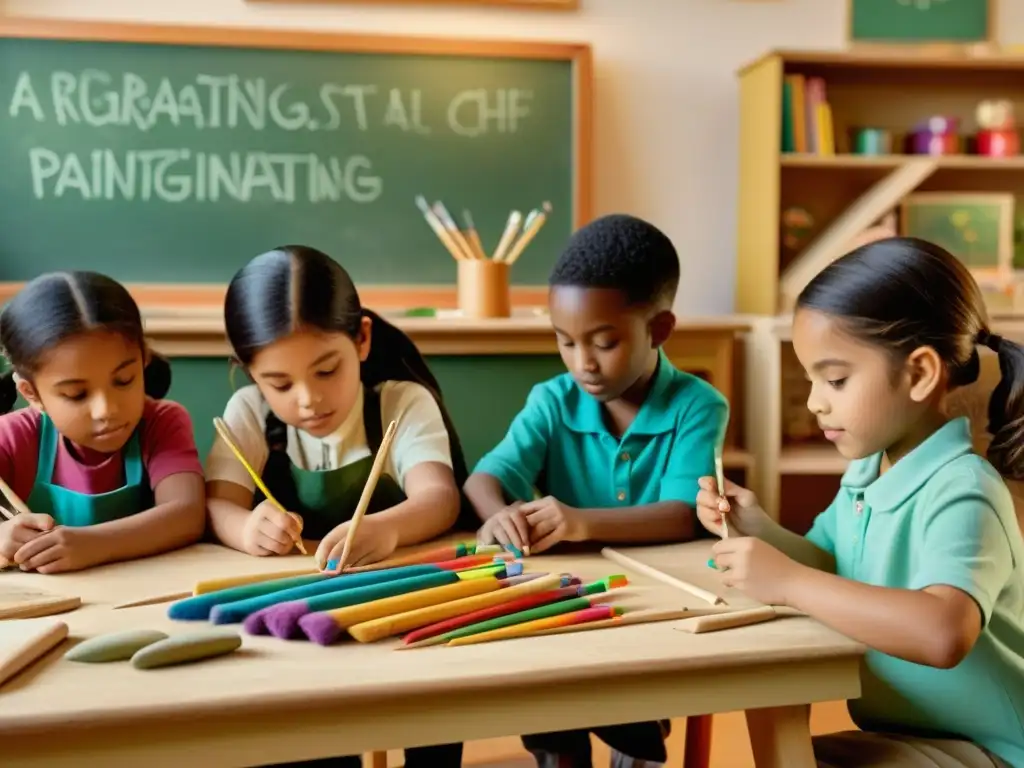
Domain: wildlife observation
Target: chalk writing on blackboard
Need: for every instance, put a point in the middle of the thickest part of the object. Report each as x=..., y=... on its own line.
x=95, y=99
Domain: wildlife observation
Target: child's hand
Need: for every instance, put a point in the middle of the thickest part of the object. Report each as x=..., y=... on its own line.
x=269, y=531
x=20, y=530
x=744, y=513
x=61, y=549
x=507, y=528
x=757, y=568
x=376, y=539
x=551, y=521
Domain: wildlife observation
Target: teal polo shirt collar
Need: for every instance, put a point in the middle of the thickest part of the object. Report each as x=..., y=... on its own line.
x=906, y=477
x=653, y=418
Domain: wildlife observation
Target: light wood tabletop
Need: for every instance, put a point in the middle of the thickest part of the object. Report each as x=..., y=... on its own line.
x=275, y=700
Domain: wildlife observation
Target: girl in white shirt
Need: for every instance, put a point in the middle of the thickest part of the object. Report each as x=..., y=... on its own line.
x=327, y=376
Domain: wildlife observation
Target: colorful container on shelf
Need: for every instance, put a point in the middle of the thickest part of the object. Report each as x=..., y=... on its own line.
x=871, y=141
x=997, y=129
x=938, y=135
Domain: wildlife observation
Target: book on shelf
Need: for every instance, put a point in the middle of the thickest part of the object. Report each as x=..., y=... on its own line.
x=806, y=117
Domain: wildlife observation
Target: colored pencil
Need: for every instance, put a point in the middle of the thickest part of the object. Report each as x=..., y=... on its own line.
x=325, y=627
x=528, y=628
x=284, y=619
x=425, y=635
x=436, y=555
x=198, y=607
x=225, y=433
x=629, y=618
x=233, y=611
x=567, y=605
x=386, y=626
x=364, y=498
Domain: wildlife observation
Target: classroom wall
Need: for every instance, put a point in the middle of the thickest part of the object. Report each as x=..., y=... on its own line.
x=665, y=103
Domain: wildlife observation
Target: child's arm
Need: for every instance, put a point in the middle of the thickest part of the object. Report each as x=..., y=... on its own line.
x=963, y=562
x=670, y=518
x=506, y=476
x=176, y=519
x=420, y=462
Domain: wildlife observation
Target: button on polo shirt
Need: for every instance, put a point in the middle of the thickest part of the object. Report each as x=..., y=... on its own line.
x=559, y=444
x=940, y=516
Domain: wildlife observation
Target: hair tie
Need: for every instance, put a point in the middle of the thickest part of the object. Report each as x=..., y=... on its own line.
x=988, y=339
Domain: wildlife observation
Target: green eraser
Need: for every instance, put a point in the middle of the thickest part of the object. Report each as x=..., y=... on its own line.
x=711, y=563
x=421, y=312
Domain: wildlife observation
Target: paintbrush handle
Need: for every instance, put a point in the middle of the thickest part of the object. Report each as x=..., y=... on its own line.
x=215, y=585
x=524, y=240
x=664, y=578
x=511, y=227
x=367, y=494
x=637, y=617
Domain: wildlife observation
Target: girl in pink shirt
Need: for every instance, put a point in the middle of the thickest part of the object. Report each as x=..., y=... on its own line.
x=108, y=472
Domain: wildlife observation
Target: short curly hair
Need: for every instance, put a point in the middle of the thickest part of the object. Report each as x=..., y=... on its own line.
x=622, y=252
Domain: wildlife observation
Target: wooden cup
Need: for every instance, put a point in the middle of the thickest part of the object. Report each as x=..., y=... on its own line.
x=483, y=288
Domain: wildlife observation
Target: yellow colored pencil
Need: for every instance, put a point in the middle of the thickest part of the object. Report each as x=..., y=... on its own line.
x=396, y=624
x=357, y=614
x=528, y=628
x=226, y=435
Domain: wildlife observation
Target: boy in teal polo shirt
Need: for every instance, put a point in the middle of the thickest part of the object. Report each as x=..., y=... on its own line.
x=616, y=445
x=920, y=556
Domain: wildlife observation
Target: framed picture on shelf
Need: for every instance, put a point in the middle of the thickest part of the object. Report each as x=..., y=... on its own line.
x=976, y=227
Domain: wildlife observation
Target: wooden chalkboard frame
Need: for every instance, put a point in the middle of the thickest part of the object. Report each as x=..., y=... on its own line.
x=203, y=296
x=991, y=32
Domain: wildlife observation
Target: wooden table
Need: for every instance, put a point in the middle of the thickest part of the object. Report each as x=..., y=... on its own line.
x=274, y=700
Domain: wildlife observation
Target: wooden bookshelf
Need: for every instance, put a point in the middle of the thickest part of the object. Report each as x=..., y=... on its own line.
x=844, y=192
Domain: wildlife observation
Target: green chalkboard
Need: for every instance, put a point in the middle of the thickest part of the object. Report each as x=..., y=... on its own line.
x=920, y=21
x=171, y=155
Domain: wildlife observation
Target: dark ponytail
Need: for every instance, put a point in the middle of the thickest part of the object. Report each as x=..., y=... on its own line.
x=902, y=293
x=295, y=286
x=55, y=306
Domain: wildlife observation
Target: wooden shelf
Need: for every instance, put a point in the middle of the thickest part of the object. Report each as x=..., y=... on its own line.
x=884, y=162
x=811, y=459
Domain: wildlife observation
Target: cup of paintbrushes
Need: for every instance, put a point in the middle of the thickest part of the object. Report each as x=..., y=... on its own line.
x=483, y=288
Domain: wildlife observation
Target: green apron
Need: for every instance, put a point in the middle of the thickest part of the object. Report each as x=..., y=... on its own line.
x=73, y=508
x=327, y=498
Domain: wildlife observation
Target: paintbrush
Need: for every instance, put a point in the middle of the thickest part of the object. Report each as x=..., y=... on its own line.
x=228, y=437
x=438, y=227
x=720, y=478
x=453, y=229
x=473, y=235
x=511, y=227
x=368, y=489
x=529, y=628
x=533, y=224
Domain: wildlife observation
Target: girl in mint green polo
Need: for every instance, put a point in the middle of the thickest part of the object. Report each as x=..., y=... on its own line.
x=919, y=557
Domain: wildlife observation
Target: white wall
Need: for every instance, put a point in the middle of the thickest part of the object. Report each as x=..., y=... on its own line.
x=665, y=97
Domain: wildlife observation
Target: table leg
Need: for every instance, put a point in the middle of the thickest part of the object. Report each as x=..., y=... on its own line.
x=781, y=737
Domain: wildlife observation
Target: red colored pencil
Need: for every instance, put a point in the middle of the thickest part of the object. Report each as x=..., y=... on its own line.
x=513, y=606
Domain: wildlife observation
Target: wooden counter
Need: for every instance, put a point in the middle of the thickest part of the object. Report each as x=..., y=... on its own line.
x=277, y=700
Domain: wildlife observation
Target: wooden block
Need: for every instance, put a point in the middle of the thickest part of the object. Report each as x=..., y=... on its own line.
x=25, y=640
x=22, y=603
